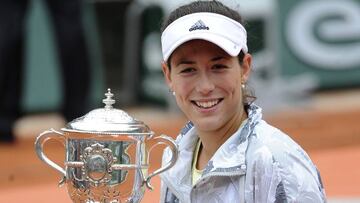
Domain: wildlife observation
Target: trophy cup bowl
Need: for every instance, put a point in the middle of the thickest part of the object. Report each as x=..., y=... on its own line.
x=107, y=155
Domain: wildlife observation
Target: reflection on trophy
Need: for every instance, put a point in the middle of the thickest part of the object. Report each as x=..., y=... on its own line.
x=107, y=155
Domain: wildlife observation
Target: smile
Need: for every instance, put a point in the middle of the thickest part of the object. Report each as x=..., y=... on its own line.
x=207, y=104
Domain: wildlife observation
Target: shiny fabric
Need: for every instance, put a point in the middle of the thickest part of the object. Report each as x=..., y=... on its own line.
x=258, y=164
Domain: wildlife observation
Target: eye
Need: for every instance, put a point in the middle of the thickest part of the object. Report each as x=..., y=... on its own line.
x=219, y=67
x=187, y=70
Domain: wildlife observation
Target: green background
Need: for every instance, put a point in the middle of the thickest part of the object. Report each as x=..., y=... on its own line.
x=292, y=65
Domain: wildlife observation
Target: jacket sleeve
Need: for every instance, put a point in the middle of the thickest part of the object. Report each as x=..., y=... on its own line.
x=166, y=196
x=162, y=192
x=285, y=178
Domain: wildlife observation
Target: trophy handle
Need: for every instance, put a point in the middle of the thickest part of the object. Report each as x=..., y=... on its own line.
x=39, y=143
x=163, y=139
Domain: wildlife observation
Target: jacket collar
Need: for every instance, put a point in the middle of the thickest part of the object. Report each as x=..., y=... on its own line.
x=229, y=158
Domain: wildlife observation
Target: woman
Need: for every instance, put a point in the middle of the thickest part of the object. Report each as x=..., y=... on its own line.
x=227, y=152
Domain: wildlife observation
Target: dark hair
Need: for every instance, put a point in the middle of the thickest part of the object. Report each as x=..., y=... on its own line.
x=203, y=6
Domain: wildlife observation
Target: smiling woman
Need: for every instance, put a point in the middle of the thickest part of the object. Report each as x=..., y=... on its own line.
x=227, y=152
x=207, y=82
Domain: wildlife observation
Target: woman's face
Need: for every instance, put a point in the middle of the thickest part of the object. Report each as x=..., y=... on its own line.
x=207, y=83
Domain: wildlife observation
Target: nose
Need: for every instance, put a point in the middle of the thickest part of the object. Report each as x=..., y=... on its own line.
x=204, y=84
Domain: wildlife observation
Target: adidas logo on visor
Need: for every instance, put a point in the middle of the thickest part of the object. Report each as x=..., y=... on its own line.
x=199, y=25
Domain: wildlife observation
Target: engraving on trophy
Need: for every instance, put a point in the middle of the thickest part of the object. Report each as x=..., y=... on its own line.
x=80, y=195
x=97, y=164
x=112, y=194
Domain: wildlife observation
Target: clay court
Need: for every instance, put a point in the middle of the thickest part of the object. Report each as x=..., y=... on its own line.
x=328, y=129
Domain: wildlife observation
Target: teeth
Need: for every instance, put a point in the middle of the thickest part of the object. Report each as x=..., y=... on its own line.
x=207, y=104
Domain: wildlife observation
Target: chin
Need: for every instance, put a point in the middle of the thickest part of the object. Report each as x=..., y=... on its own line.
x=207, y=125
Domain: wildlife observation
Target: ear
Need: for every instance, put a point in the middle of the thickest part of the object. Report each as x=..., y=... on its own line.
x=167, y=75
x=246, y=68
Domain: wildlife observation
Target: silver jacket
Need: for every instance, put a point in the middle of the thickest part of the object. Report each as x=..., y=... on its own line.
x=258, y=164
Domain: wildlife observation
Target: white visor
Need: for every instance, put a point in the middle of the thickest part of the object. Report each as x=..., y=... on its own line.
x=218, y=29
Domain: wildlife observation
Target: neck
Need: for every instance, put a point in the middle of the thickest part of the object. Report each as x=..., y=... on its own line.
x=212, y=140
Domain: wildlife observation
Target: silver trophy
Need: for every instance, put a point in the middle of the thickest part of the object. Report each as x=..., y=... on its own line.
x=107, y=155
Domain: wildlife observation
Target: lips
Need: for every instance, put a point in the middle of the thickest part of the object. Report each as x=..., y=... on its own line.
x=207, y=104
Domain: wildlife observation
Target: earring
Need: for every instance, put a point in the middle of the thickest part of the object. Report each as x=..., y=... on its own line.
x=172, y=92
x=243, y=86
x=244, y=89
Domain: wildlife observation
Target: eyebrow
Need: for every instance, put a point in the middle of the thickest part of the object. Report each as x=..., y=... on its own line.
x=217, y=58
x=185, y=62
